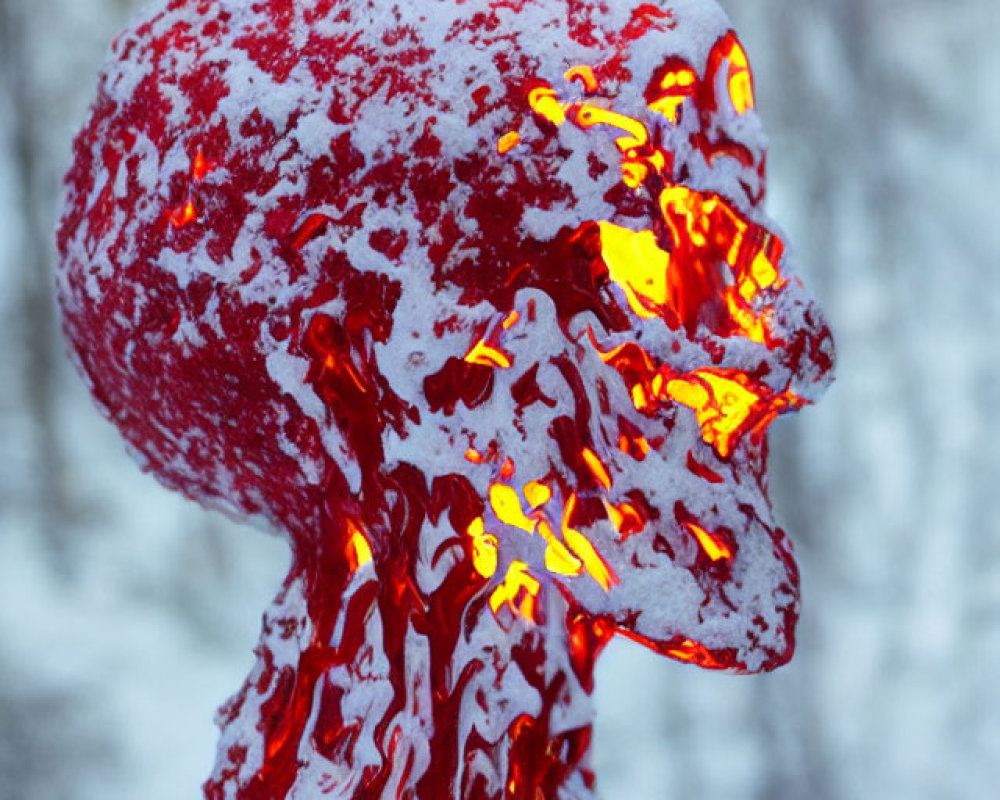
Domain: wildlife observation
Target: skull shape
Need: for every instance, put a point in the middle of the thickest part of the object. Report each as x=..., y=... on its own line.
x=477, y=302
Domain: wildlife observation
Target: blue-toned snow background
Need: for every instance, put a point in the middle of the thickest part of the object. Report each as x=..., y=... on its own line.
x=127, y=614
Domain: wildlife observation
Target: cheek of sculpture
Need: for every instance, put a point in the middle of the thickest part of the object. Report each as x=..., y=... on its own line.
x=651, y=511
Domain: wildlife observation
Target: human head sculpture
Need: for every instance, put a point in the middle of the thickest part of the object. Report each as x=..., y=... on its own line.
x=477, y=303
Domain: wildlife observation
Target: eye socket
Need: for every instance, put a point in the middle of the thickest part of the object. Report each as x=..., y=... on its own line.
x=672, y=83
x=675, y=80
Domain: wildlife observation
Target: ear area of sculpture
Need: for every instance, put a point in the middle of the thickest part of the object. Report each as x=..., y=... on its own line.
x=475, y=302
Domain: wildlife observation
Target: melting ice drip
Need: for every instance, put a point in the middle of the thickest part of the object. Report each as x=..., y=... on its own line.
x=476, y=302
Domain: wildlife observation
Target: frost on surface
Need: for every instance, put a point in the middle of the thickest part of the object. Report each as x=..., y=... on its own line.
x=476, y=302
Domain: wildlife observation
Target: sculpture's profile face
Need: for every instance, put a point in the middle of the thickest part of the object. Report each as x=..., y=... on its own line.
x=477, y=301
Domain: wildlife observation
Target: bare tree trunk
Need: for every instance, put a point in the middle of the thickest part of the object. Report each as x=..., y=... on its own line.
x=37, y=324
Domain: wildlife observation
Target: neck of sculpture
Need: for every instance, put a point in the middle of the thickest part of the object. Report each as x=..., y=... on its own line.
x=395, y=693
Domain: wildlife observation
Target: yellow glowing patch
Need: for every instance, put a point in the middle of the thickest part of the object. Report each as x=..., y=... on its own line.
x=488, y=356
x=585, y=74
x=557, y=558
x=721, y=406
x=624, y=517
x=627, y=445
x=693, y=207
x=511, y=320
x=581, y=546
x=507, y=507
x=763, y=271
x=677, y=88
x=682, y=77
x=597, y=468
x=544, y=103
x=688, y=393
x=615, y=515
x=592, y=562
x=740, y=80
x=714, y=546
x=359, y=552
x=639, y=399
x=668, y=106
x=634, y=174
x=636, y=263
x=484, y=548
x=537, y=494
x=751, y=325
x=637, y=135
x=519, y=590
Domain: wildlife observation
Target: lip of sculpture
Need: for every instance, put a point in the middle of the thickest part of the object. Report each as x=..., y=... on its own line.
x=731, y=608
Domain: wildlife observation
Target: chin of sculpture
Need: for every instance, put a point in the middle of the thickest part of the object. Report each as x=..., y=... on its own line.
x=477, y=304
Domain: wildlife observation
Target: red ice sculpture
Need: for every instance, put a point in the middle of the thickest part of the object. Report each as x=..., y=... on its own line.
x=475, y=301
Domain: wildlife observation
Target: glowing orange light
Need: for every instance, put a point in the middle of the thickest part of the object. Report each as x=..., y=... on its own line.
x=638, y=264
x=507, y=470
x=508, y=142
x=589, y=116
x=488, y=356
x=639, y=399
x=184, y=215
x=358, y=551
x=597, y=468
x=714, y=545
x=638, y=447
x=507, y=507
x=625, y=518
x=721, y=405
x=473, y=456
x=557, y=558
x=694, y=653
x=740, y=79
x=519, y=590
x=511, y=319
x=616, y=516
x=763, y=270
x=703, y=226
x=677, y=85
x=581, y=546
x=753, y=326
x=544, y=103
x=694, y=208
x=633, y=174
x=585, y=75
x=484, y=548
x=537, y=494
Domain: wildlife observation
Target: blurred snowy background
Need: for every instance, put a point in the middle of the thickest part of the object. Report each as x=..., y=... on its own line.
x=127, y=614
